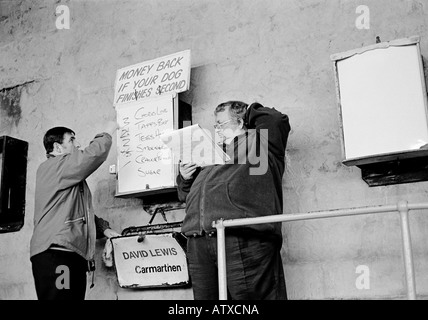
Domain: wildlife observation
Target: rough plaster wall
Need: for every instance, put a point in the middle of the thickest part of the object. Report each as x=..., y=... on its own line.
x=273, y=52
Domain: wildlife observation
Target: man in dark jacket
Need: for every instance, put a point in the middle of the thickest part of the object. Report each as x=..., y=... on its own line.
x=249, y=185
x=62, y=247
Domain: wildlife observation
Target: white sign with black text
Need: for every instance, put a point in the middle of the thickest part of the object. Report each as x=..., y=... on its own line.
x=157, y=261
x=150, y=79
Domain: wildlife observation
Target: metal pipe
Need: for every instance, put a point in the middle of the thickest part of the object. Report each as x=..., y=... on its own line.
x=407, y=250
x=416, y=206
x=308, y=216
x=402, y=207
x=221, y=260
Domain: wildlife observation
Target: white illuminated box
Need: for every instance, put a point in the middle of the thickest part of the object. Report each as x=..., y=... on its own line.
x=382, y=100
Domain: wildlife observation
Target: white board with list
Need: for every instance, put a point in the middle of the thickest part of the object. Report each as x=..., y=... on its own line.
x=144, y=163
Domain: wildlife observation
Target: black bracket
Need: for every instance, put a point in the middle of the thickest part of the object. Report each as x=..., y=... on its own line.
x=395, y=172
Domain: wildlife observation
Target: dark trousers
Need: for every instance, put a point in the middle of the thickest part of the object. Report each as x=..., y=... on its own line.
x=59, y=275
x=253, y=265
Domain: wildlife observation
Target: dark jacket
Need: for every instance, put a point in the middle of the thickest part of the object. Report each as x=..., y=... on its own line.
x=249, y=185
x=63, y=212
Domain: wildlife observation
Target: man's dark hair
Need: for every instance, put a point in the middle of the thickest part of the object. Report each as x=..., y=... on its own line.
x=55, y=135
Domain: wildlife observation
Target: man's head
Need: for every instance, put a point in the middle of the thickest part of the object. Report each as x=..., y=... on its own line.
x=229, y=120
x=60, y=140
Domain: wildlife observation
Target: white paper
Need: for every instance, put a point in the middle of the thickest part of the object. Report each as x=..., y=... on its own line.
x=194, y=144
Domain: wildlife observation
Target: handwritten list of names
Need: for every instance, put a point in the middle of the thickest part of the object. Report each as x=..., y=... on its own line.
x=144, y=162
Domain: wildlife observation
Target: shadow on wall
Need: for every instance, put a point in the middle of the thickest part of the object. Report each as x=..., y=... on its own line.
x=425, y=66
x=10, y=108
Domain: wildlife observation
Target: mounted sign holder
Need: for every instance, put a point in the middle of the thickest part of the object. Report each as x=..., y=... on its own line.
x=13, y=180
x=151, y=256
x=147, y=105
x=382, y=101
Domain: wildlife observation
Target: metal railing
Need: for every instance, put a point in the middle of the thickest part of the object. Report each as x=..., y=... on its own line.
x=401, y=207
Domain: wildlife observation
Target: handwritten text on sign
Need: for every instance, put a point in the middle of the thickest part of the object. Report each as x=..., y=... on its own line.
x=158, y=260
x=152, y=78
x=144, y=162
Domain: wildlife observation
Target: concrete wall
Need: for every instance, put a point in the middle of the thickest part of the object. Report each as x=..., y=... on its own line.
x=274, y=52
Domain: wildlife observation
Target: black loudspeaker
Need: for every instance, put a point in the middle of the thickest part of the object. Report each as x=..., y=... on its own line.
x=13, y=180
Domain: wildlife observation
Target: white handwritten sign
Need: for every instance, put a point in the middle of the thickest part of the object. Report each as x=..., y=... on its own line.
x=169, y=74
x=158, y=260
x=144, y=162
